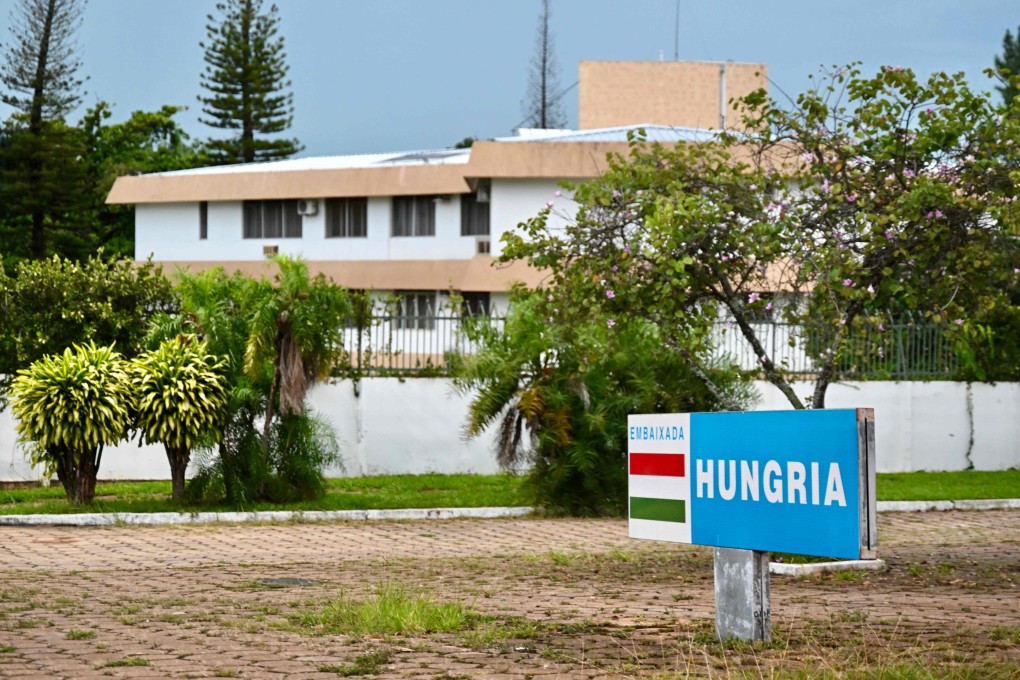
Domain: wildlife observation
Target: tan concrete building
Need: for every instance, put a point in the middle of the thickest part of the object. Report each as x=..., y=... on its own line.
x=692, y=94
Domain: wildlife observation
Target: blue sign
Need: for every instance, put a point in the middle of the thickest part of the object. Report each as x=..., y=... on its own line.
x=782, y=481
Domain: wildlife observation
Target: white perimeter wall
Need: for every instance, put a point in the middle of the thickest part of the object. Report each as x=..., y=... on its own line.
x=415, y=426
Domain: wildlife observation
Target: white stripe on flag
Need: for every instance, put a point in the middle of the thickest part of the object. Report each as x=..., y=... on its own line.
x=674, y=488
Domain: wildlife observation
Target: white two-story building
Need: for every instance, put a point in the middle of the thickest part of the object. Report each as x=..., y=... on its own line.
x=422, y=223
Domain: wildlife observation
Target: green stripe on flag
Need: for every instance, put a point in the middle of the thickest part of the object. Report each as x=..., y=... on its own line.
x=659, y=509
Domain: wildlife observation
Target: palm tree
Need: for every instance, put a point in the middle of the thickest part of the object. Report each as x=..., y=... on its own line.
x=297, y=330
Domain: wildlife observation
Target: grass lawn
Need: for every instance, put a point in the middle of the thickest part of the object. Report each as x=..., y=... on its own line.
x=449, y=491
x=352, y=493
x=948, y=486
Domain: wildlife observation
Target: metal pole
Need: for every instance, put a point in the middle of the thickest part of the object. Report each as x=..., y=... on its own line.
x=676, y=38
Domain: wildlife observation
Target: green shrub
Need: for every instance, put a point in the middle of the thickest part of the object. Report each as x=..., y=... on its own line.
x=69, y=406
x=182, y=399
x=558, y=385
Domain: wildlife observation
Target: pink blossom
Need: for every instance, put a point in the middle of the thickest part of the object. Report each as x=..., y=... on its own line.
x=753, y=297
x=615, y=268
x=851, y=198
x=610, y=294
x=548, y=204
x=959, y=322
x=768, y=307
x=848, y=282
x=881, y=328
x=626, y=249
x=908, y=173
x=611, y=323
x=871, y=289
x=557, y=193
x=889, y=234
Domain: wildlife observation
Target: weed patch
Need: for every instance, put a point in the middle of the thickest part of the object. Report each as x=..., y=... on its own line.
x=391, y=610
x=366, y=664
x=129, y=661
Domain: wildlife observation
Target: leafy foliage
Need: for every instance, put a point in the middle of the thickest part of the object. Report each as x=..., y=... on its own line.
x=148, y=141
x=246, y=77
x=70, y=406
x=558, y=382
x=867, y=195
x=182, y=397
x=50, y=305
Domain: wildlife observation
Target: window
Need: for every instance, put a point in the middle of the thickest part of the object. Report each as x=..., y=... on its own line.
x=346, y=218
x=475, y=304
x=474, y=213
x=414, y=215
x=416, y=311
x=203, y=220
x=272, y=219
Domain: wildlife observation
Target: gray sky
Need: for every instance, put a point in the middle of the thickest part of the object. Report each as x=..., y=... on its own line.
x=388, y=75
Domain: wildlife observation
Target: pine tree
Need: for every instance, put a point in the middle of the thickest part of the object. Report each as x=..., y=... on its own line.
x=37, y=162
x=1010, y=61
x=542, y=108
x=246, y=77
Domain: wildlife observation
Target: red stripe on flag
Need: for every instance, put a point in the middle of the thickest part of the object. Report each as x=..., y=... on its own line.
x=658, y=464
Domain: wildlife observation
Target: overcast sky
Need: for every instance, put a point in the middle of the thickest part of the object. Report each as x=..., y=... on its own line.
x=389, y=75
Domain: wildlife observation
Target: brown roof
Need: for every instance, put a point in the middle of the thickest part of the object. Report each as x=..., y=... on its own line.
x=479, y=274
x=552, y=160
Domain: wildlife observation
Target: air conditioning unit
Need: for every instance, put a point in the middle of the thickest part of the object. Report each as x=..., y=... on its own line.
x=483, y=246
x=307, y=206
x=269, y=251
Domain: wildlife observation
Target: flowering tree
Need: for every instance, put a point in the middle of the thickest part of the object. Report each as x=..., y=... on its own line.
x=865, y=195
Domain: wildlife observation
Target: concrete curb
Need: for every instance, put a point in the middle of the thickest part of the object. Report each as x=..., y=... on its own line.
x=169, y=518
x=941, y=506
x=784, y=569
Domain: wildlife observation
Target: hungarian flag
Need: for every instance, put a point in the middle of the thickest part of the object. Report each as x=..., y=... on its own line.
x=659, y=481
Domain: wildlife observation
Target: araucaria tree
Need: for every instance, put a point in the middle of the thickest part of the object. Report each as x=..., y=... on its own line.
x=39, y=75
x=865, y=195
x=1009, y=61
x=246, y=80
x=542, y=106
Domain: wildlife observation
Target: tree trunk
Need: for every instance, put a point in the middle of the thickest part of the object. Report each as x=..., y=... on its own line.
x=274, y=389
x=78, y=477
x=179, y=457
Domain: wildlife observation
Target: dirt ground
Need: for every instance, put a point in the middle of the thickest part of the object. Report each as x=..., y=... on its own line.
x=549, y=598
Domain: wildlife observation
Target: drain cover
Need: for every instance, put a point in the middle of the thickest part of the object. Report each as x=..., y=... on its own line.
x=283, y=582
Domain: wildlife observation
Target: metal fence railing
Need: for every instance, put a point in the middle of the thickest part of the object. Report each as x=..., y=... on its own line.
x=399, y=344
x=427, y=344
x=889, y=351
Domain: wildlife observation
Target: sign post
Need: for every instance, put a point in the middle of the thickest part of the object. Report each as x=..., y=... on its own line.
x=749, y=483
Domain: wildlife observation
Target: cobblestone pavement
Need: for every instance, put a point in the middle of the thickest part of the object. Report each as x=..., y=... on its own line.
x=554, y=598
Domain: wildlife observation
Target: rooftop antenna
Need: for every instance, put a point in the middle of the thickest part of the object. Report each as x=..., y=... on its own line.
x=676, y=38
